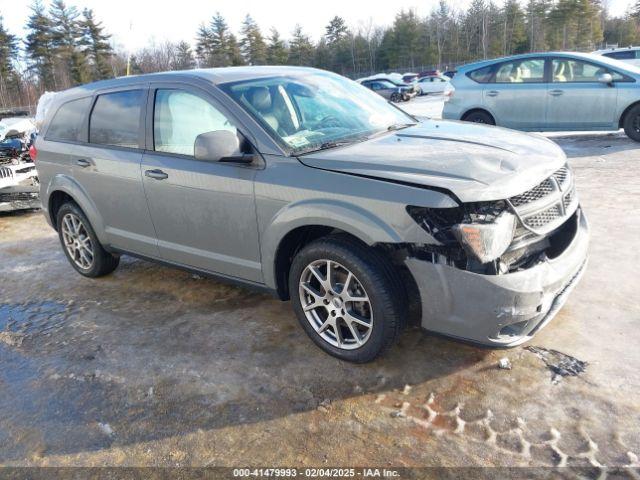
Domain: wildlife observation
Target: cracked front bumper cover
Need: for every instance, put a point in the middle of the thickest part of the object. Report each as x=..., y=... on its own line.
x=499, y=310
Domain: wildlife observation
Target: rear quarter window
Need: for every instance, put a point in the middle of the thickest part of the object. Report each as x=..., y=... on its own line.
x=115, y=119
x=481, y=75
x=66, y=125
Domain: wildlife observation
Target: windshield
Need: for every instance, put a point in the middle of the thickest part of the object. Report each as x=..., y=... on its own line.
x=315, y=111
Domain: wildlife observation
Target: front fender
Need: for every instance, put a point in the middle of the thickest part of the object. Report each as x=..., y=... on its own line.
x=347, y=217
x=67, y=184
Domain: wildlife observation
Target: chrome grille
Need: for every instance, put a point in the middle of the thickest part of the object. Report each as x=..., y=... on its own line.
x=562, y=175
x=6, y=172
x=544, y=207
x=543, y=218
x=536, y=193
x=18, y=196
x=568, y=198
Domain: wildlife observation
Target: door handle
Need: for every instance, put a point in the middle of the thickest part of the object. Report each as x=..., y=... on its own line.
x=556, y=93
x=156, y=174
x=83, y=162
x=492, y=93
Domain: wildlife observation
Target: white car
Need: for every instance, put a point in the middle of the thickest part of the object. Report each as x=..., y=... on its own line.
x=433, y=84
x=629, y=55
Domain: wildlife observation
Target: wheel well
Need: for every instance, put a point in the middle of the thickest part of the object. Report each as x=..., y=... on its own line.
x=56, y=200
x=474, y=110
x=624, y=114
x=292, y=243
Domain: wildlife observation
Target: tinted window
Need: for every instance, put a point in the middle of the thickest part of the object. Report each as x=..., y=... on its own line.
x=482, y=75
x=625, y=55
x=179, y=117
x=566, y=70
x=67, y=122
x=521, y=71
x=115, y=119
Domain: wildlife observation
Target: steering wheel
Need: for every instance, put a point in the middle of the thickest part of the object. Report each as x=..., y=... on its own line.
x=329, y=121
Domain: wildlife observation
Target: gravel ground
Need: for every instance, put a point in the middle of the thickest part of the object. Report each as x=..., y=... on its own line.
x=152, y=366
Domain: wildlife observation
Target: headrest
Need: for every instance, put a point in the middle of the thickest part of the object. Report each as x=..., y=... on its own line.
x=260, y=98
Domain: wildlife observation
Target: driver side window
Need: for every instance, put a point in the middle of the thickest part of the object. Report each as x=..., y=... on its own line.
x=179, y=117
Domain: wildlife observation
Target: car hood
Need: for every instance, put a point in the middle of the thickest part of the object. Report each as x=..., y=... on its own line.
x=475, y=162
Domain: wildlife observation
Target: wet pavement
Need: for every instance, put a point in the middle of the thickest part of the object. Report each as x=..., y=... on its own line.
x=155, y=366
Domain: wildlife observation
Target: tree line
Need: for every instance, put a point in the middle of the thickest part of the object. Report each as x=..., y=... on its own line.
x=64, y=47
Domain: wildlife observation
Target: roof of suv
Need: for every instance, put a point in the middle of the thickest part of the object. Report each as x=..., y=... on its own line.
x=213, y=75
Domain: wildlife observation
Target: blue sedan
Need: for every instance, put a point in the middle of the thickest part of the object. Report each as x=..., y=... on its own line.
x=549, y=92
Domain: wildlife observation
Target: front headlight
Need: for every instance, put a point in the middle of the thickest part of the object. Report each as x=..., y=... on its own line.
x=486, y=241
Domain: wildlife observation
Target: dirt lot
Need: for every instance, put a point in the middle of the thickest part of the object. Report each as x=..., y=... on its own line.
x=155, y=366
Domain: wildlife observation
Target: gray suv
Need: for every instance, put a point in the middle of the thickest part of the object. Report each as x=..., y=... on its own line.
x=310, y=186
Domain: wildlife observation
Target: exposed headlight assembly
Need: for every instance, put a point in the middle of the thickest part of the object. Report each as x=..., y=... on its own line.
x=484, y=231
x=486, y=241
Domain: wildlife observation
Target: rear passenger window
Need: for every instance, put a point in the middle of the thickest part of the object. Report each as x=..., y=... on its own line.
x=66, y=125
x=115, y=119
x=482, y=75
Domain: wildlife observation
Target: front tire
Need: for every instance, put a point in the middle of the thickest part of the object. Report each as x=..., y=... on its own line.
x=347, y=297
x=631, y=123
x=80, y=243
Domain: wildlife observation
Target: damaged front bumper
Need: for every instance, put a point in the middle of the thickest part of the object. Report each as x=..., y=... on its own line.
x=19, y=187
x=499, y=310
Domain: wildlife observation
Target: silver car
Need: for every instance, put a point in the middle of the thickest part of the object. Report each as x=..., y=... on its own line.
x=312, y=187
x=549, y=92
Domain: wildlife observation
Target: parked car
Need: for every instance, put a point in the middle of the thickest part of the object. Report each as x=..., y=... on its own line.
x=305, y=184
x=433, y=84
x=19, y=183
x=389, y=90
x=549, y=92
x=629, y=55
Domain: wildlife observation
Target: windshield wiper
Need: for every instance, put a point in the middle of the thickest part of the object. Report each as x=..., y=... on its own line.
x=398, y=126
x=327, y=145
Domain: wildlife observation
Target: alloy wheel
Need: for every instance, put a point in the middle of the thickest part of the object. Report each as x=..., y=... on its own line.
x=336, y=304
x=77, y=241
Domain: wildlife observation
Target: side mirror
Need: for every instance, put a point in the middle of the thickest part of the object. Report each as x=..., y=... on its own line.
x=220, y=146
x=606, y=78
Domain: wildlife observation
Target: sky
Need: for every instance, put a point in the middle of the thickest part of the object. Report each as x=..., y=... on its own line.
x=135, y=24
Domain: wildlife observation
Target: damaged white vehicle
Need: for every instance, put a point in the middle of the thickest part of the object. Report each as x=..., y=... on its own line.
x=19, y=183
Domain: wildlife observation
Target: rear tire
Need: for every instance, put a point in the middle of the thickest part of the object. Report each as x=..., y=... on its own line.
x=631, y=123
x=81, y=245
x=328, y=314
x=479, y=116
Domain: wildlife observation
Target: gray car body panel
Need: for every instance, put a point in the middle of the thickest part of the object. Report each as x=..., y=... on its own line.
x=229, y=220
x=538, y=106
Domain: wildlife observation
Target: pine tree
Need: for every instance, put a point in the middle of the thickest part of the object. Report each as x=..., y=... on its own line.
x=97, y=49
x=204, y=46
x=233, y=51
x=8, y=52
x=514, y=33
x=9, y=80
x=66, y=36
x=221, y=55
x=39, y=46
x=336, y=30
x=252, y=44
x=184, y=57
x=277, y=52
x=301, y=49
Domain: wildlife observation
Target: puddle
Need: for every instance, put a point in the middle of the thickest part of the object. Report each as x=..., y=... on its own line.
x=18, y=321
